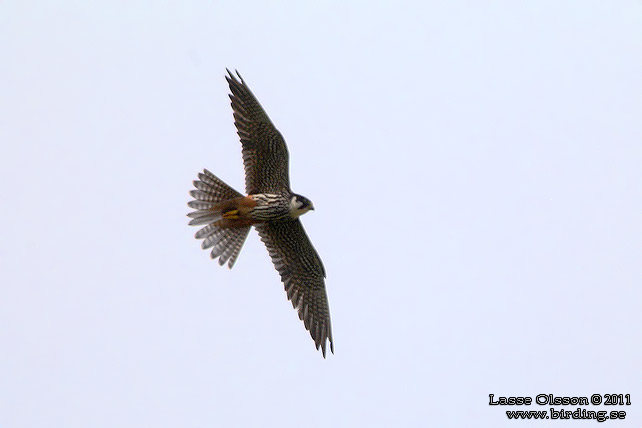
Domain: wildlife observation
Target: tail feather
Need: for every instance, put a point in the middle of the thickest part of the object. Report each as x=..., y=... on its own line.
x=214, y=237
x=212, y=183
x=228, y=245
x=226, y=241
x=206, y=231
x=234, y=247
x=204, y=217
x=200, y=205
x=202, y=196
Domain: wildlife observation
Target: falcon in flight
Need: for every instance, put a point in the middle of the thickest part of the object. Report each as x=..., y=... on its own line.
x=270, y=206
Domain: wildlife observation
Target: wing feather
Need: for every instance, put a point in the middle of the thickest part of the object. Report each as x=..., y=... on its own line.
x=265, y=154
x=302, y=274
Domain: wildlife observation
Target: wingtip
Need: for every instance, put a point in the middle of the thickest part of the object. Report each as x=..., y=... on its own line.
x=231, y=77
x=324, y=344
x=323, y=349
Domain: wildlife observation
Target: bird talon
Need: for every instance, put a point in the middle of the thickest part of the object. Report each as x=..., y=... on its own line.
x=231, y=215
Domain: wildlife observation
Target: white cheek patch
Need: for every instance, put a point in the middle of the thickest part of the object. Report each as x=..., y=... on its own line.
x=294, y=204
x=296, y=208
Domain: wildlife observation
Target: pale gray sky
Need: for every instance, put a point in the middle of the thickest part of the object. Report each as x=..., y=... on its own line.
x=475, y=168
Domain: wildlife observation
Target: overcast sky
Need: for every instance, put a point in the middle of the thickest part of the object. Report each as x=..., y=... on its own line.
x=476, y=172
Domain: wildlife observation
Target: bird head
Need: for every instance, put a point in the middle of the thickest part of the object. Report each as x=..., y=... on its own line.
x=299, y=205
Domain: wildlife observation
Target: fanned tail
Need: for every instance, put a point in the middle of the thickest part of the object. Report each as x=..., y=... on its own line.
x=210, y=193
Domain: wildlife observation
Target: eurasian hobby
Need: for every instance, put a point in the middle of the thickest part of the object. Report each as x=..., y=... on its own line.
x=270, y=206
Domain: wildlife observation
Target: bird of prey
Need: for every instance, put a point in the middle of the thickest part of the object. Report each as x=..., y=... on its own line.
x=270, y=206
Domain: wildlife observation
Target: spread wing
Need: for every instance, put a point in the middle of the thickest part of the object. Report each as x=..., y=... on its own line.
x=303, y=275
x=265, y=154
